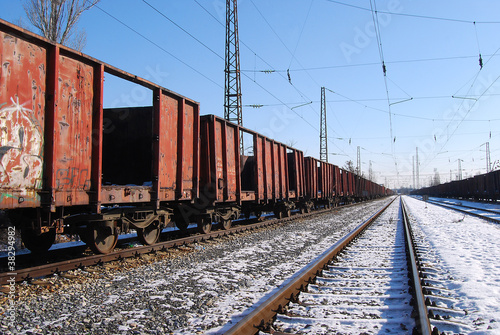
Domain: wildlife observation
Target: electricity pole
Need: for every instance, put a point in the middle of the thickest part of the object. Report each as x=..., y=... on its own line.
x=232, y=97
x=323, y=139
x=416, y=168
x=488, y=157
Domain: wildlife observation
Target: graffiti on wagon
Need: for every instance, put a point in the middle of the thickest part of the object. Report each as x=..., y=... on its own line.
x=21, y=145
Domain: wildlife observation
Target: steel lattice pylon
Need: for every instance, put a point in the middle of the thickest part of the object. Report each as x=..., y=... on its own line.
x=323, y=139
x=232, y=97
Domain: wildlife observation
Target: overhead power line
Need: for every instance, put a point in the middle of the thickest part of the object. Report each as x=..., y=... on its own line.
x=318, y=68
x=158, y=46
x=416, y=15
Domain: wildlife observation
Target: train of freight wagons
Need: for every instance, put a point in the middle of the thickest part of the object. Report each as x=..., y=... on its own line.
x=70, y=166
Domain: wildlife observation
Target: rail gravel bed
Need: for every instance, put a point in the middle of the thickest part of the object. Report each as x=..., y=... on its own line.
x=195, y=292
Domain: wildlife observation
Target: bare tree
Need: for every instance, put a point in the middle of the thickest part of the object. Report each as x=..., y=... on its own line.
x=436, y=180
x=57, y=19
x=349, y=166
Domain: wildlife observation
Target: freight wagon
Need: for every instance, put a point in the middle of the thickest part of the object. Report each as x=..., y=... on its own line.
x=484, y=187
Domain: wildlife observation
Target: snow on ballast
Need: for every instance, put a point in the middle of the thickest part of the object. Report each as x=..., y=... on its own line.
x=365, y=291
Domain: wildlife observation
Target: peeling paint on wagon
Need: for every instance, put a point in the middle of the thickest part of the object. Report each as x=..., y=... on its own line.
x=72, y=131
x=22, y=117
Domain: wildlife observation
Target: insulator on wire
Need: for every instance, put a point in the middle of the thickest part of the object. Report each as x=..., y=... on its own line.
x=480, y=62
x=384, y=68
x=288, y=73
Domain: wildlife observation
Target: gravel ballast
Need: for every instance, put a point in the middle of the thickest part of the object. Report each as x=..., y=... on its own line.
x=196, y=290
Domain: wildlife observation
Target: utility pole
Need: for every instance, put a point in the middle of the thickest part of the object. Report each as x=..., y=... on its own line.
x=460, y=169
x=488, y=157
x=323, y=139
x=358, y=166
x=232, y=98
x=413, y=166
x=370, y=171
x=416, y=168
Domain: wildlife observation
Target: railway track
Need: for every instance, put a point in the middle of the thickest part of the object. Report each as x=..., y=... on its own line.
x=360, y=285
x=492, y=215
x=29, y=267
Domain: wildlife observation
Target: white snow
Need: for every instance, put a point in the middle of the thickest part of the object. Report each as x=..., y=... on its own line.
x=469, y=249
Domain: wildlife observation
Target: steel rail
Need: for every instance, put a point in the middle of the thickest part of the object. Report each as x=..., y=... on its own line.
x=422, y=320
x=263, y=315
x=450, y=206
x=29, y=273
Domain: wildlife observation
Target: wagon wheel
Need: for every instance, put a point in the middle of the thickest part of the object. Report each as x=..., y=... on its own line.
x=204, y=226
x=226, y=224
x=150, y=234
x=287, y=212
x=302, y=210
x=38, y=243
x=101, y=240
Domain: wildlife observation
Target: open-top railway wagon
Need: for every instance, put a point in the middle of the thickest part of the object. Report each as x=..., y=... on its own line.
x=483, y=187
x=68, y=165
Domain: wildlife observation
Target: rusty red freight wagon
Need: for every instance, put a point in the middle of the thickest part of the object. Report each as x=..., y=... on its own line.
x=65, y=162
x=323, y=183
x=268, y=178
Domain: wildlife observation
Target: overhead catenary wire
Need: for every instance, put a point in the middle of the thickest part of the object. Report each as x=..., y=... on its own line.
x=158, y=46
x=393, y=100
x=320, y=68
x=428, y=17
x=468, y=110
x=478, y=48
x=258, y=84
x=288, y=76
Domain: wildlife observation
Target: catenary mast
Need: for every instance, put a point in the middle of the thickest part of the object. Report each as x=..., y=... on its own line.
x=232, y=97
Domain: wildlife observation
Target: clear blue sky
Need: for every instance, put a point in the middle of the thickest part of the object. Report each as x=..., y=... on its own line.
x=430, y=49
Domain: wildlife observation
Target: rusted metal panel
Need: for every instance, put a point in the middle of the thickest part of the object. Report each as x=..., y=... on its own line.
x=350, y=182
x=190, y=149
x=220, y=165
x=166, y=122
x=276, y=171
x=120, y=194
x=263, y=153
x=268, y=169
x=337, y=180
x=259, y=161
x=295, y=173
x=344, y=183
x=311, y=177
x=283, y=171
x=97, y=135
x=176, y=149
x=23, y=69
x=300, y=175
x=326, y=180
x=72, y=133
x=232, y=157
